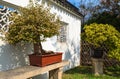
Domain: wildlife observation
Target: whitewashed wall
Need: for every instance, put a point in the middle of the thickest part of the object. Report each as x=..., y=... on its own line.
x=22, y=3
x=16, y=56
x=70, y=49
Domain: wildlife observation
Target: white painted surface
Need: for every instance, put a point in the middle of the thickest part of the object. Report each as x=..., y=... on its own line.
x=22, y=3
x=71, y=48
x=15, y=56
x=12, y=56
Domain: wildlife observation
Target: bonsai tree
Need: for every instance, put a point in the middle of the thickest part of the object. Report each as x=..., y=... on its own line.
x=33, y=25
x=103, y=34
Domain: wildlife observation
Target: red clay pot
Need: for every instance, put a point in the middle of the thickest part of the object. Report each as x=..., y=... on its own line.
x=44, y=60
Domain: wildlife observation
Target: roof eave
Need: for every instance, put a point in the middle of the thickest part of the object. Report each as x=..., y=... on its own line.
x=78, y=14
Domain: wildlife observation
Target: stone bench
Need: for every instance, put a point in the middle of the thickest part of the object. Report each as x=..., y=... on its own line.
x=55, y=71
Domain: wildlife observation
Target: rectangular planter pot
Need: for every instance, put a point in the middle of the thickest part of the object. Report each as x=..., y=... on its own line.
x=44, y=60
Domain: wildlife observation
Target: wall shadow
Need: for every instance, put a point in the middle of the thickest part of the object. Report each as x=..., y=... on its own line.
x=72, y=54
x=12, y=56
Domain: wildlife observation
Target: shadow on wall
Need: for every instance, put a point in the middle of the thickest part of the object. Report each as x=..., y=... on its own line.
x=12, y=56
x=72, y=54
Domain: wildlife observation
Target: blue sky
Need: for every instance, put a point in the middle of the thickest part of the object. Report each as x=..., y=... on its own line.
x=75, y=2
x=87, y=2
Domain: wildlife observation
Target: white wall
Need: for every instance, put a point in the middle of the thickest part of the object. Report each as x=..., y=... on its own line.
x=15, y=56
x=22, y=3
x=71, y=49
x=12, y=56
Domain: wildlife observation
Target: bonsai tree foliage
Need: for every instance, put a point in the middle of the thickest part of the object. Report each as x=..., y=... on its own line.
x=103, y=34
x=33, y=25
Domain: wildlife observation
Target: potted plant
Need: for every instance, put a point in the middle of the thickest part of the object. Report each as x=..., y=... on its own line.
x=102, y=34
x=33, y=25
x=98, y=35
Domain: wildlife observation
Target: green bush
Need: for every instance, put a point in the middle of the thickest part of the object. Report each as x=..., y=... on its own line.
x=103, y=34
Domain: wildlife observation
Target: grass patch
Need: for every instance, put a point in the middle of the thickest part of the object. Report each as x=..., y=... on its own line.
x=85, y=72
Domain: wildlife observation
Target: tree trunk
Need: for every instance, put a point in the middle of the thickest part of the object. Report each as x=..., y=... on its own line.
x=38, y=49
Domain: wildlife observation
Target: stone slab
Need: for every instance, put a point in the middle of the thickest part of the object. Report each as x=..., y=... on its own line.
x=29, y=71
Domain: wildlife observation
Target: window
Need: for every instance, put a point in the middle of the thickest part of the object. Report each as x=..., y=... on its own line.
x=63, y=33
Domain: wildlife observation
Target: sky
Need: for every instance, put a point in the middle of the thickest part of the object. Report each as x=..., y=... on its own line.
x=75, y=2
x=78, y=2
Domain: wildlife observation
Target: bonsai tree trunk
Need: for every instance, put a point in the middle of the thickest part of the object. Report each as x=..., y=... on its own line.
x=38, y=49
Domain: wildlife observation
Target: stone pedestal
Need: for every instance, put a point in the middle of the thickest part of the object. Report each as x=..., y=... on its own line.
x=97, y=66
x=56, y=73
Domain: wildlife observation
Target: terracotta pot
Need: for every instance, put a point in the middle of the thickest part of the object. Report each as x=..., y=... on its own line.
x=44, y=60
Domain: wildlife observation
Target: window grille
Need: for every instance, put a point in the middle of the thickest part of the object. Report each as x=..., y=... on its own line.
x=62, y=37
x=5, y=13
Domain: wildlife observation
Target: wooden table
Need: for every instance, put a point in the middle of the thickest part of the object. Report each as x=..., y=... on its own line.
x=55, y=71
